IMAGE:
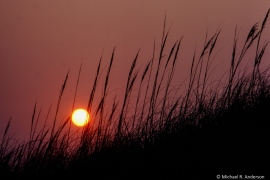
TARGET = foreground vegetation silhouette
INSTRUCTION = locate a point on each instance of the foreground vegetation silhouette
(210, 129)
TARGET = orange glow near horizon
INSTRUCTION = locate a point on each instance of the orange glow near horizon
(80, 117)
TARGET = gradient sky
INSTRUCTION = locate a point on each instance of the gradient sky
(41, 39)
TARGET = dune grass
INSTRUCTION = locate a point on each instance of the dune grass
(210, 129)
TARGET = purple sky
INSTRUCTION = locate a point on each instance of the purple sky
(41, 40)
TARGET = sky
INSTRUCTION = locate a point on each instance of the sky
(41, 40)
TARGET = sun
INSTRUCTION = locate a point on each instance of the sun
(80, 117)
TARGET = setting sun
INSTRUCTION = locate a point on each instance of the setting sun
(80, 117)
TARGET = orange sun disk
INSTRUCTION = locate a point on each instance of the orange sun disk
(80, 117)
